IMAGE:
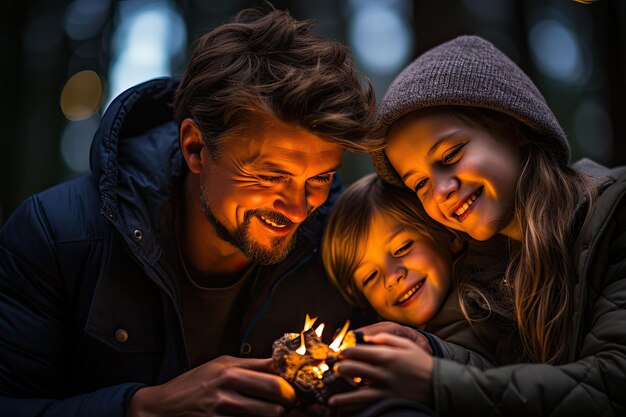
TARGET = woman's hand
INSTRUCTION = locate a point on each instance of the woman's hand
(392, 367)
(398, 330)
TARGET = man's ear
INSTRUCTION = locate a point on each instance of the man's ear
(191, 145)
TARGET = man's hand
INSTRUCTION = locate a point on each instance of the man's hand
(398, 330)
(391, 367)
(224, 386)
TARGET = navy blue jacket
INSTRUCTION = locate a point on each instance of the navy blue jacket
(85, 261)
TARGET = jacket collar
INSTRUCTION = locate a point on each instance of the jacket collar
(136, 157)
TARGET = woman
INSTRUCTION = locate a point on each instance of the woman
(471, 135)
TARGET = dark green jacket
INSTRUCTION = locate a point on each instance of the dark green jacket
(490, 339)
(593, 382)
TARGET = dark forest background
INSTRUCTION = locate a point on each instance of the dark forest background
(62, 61)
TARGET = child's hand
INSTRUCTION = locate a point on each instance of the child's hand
(392, 367)
(398, 330)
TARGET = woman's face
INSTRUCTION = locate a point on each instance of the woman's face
(403, 275)
(464, 177)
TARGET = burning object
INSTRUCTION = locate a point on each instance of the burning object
(306, 362)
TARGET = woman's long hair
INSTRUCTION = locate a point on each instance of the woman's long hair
(548, 197)
(552, 204)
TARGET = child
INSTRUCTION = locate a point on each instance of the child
(469, 133)
(380, 249)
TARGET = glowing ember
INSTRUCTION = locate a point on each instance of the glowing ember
(336, 344)
(308, 322)
(306, 362)
(302, 349)
(319, 330)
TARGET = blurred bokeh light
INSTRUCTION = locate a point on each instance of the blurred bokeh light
(69, 58)
(148, 36)
(82, 95)
(556, 50)
(380, 35)
(76, 141)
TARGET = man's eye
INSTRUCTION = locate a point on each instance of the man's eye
(369, 278)
(267, 178)
(404, 249)
(322, 179)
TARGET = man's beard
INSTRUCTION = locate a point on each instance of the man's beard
(241, 238)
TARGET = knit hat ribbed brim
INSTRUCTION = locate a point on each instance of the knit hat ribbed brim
(467, 71)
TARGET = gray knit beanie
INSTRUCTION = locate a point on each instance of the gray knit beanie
(467, 71)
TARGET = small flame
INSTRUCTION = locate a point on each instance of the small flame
(357, 379)
(336, 344)
(324, 367)
(319, 330)
(302, 349)
(308, 322)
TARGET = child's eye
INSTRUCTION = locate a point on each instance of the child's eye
(420, 185)
(454, 152)
(369, 278)
(402, 250)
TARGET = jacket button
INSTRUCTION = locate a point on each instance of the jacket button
(121, 336)
(246, 349)
(138, 234)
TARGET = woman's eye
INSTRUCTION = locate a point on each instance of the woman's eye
(454, 152)
(402, 250)
(369, 278)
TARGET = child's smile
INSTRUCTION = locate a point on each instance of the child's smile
(403, 275)
(464, 177)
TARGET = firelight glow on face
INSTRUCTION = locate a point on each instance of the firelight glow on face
(265, 183)
(402, 274)
(464, 177)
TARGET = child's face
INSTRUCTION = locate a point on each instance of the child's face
(403, 275)
(464, 177)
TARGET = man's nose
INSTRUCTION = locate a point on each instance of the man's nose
(445, 187)
(292, 202)
(394, 275)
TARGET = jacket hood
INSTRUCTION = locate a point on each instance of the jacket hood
(136, 158)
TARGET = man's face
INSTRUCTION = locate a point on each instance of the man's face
(264, 184)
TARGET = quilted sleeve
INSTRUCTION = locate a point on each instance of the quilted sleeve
(456, 353)
(592, 385)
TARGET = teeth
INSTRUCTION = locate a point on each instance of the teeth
(467, 204)
(271, 223)
(410, 292)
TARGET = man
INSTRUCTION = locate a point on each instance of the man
(195, 237)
